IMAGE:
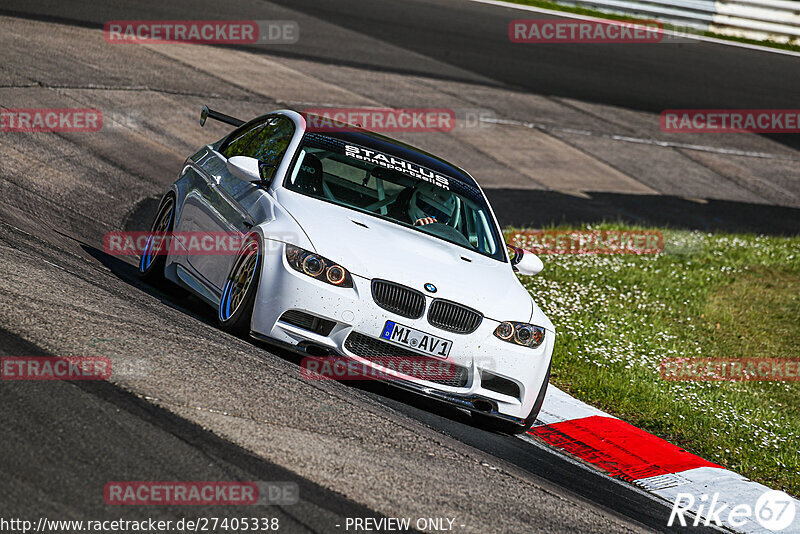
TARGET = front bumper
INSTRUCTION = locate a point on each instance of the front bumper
(353, 310)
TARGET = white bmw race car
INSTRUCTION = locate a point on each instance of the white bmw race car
(359, 247)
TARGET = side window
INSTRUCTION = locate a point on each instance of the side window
(265, 141)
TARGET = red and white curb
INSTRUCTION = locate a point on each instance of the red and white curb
(665, 470)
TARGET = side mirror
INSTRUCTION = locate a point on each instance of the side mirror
(524, 262)
(251, 170)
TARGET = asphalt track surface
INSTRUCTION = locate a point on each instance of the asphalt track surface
(201, 405)
(55, 466)
(598, 88)
(473, 38)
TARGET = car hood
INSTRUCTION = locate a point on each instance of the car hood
(373, 248)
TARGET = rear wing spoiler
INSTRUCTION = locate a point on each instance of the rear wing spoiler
(207, 113)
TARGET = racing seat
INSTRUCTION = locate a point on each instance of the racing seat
(397, 206)
(309, 179)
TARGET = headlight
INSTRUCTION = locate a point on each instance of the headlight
(317, 267)
(524, 334)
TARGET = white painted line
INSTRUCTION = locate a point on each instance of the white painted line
(640, 140)
(567, 15)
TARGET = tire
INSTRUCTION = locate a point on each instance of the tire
(239, 293)
(506, 427)
(153, 260)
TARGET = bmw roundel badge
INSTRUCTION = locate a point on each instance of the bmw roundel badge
(430, 288)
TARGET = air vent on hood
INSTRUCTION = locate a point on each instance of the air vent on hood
(359, 223)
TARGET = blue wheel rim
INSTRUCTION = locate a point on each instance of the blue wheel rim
(240, 280)
(161, 226)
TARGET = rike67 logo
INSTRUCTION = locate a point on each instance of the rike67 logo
(774, 510)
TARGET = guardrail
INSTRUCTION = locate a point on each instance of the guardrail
(777, 20)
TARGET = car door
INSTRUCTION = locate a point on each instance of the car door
(223, 207)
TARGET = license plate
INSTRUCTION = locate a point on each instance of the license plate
(406, 336)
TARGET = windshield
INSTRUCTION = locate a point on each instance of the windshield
(396, 190)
